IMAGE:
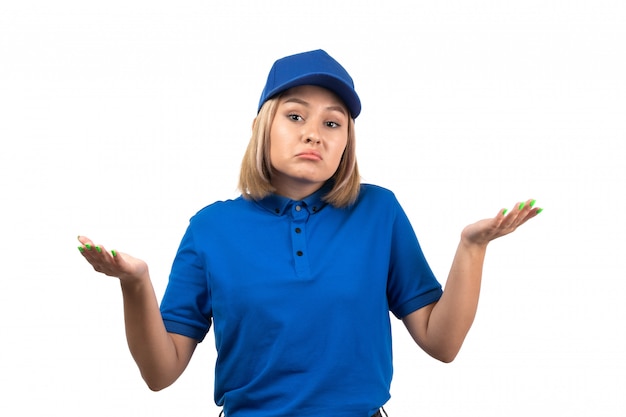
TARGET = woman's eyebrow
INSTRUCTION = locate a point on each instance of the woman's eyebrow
(297, 100)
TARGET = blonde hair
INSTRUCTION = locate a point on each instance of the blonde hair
(255, 178)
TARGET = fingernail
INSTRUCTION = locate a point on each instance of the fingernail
(98, 249)
(532, 203)
(88, 247)
(539, 210)
(521, 206)
(504, 211)
(114, 253)
(81, 249)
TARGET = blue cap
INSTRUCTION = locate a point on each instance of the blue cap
(312, 68)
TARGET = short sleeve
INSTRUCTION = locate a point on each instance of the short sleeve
(186, 305)
(411, 283)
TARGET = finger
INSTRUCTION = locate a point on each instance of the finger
(84, 243)
(531, 212)
(511, 219)
(103, 261)
(512, 215)
(96, 255)
(525, 211)
(500, 218)
(87, 246)
(84, 240)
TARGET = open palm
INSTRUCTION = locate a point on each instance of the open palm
(115, 264)
(484, 231)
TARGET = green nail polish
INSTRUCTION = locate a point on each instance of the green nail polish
(81, 249)
(114, 253)
(88, 247)
(504, 211)
(532, 203)
(98, 249)
(539, 210)
(521, 206)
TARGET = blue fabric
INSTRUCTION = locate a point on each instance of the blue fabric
(311, 68)
(300, 294)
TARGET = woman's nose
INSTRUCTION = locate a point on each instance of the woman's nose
(312, 135)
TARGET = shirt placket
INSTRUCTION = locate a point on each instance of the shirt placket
(299, 216)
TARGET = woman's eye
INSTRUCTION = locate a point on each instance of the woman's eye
(295, 117)
(332, 124)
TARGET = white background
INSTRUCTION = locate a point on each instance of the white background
(120, 119)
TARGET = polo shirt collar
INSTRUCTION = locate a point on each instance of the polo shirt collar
(280, 205)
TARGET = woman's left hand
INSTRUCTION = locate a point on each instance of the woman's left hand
(484, 231)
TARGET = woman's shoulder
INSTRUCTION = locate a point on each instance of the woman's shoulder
(374, 198)
(376, 192)
(221, 208)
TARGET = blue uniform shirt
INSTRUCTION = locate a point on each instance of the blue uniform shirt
(299, 293)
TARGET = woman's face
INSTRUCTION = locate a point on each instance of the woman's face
(307, 139)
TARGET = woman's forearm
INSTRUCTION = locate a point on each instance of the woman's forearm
(151, 346)
(453, 315)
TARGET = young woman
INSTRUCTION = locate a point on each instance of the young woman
(299, 274)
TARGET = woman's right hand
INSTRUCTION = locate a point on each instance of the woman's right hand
(113, 263)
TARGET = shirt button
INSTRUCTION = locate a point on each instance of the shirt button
(299, 253)
(298, 230)
(298, 208)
